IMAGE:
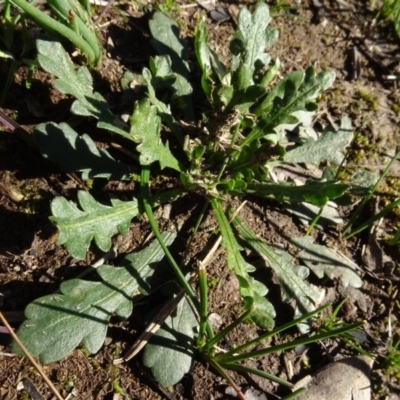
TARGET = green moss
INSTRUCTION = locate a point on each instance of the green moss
(117, 388)
(117, 352)
(213, 283)
(336, 96)
(390, 187)
(369, 99)
(168, 7)
(396, 108)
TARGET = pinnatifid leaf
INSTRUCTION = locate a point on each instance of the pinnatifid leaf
(56, 324)
(75, 153)
(264, 313)
(165, 32)
(99, 222)
(291, 277)
(325, 261)
(145, 130)
(78, 83)
(330, 146)
(162, 108)
(252, 37)
(314, 192)
(296, 92)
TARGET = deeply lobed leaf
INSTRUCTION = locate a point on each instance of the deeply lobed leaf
(264, 312)
(145, 129)
(54, 59)
(57, 323)
(77, 228)
(294, 93)
(75, 153)
(165, 32)
(251, 38)
(330, 146)
(324, 261)
(291, 277)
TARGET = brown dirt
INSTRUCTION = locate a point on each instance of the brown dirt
(32, 265)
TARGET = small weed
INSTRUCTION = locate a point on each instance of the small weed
(390, 10)
(169, 6)
(227, 150)
(392, 359)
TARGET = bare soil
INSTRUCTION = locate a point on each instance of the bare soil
(337, 34)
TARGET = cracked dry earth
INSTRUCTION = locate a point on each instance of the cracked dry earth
(337, 34)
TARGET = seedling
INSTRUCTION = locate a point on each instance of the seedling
(390, 10)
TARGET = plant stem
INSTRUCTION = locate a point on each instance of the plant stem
(226, 330)
(145, 188)
(227, 377)
(274, 332)
(203, 304)
(315, 220)
(248, 370)
(231, 358)
(49, 23)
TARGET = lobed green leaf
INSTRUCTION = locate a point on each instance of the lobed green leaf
(330, 146)
(294, 93)
(78, 83)
(251, 38)
(291, 277)
(249, 288)
(75, 153)
(145, 130)
(56, 324)
(324, 261)
(165, 32)
(99, 222)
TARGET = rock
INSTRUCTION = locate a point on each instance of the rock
(346, 379)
